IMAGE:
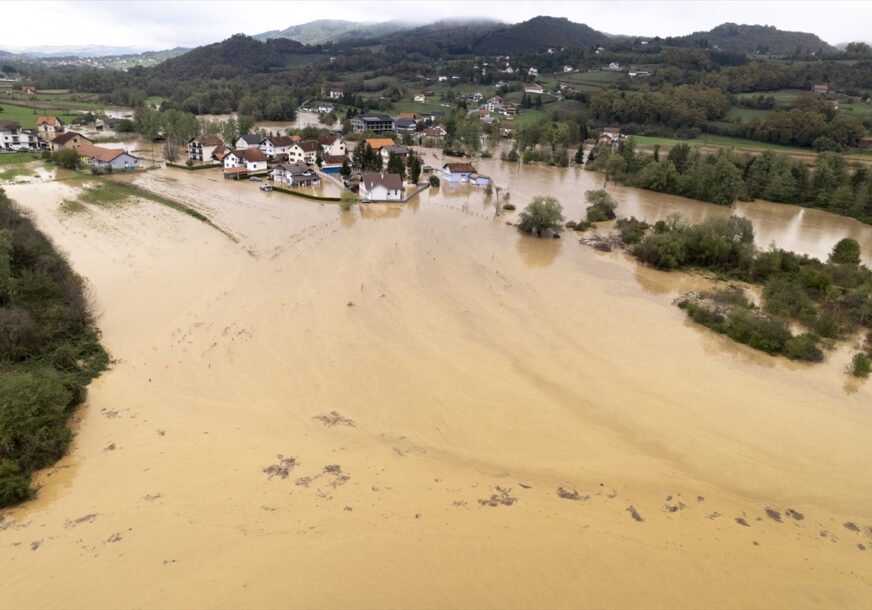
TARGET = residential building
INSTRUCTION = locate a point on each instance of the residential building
(458, 172)
(567, 68)
(533, 72)
(67, 140)
(107, 158)
(381, 187)
(248, 140)
(434, 133)
(331, 164)
(377, 143)
(479, 179)
(325, 107)
(276, 146)
(305, 151)
(202, 147)
(477, 97)
(420, 97)
(495, 103)
(12, 137)
(294, 174)
(29, 90)
(398, 150)
(537, 89)
(638, 74)
(374, 123)
(822, 89)
(442, 78)
(614, 66)
(610, 135)
(408, 125)
(49, 126)
(335, 92)
(252, 159)
(332, 145)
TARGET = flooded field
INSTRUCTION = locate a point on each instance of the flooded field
(415, 406)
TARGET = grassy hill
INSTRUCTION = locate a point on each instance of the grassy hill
(329, 30)
(754, 39)
(538, 34)
(238, 55)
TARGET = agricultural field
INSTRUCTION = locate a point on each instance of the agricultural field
(27, 116)
(746, 114)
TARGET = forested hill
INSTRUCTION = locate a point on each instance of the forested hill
(753, 39)
(538, 34)
(237, 56)
(330, 30)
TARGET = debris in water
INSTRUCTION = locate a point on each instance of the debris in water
(502, 497)
(742, 521)
(571, 495)
(35, 545)
(674, 508)
(109, 447)
(851, 527)
(794, 514)
(634, 513)
(283, 468)
(773, 514)
(86, 519)
(116, 537)
(334, 418)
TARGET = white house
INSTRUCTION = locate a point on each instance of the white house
(325, 107)
(420, 97)
(294, 174)
(567, 68)
(248, 140)
(494, 103)
(335, 92)
(12, 137)
(203, 147)
(107, 158)
(533, 72)
(273, 146)
(442, 78)
(49, 126)
(251, 159)
(305, 151)
(614, 66)
(534, 89)
(332, 146)
(457, 172)
(380, 187)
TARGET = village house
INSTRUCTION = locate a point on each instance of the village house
(476, 97)
(306, 151)
(332, 145)
(68, 140)
(331, 164)
(638, 74)
(499, 84)
(378, 143)
(434, 133)
(276, 146)
(380, 187)
(220, 152)
(12, 137)
(29, 90)
(325, 107)
(610, 135)
(614, 66)
(294, 174)
(567, 68)
(408, 125)
(442, 78)
(335, 92)
(537, 89)
(374, 123)
(107, 158)
(495, 103)
(479, 179)
(203, 147)
(420, 97)
(49, 126)
(822, 89)
(457, 172)
(533, 72)
(397, 149)
(252, 159)
(248, 140)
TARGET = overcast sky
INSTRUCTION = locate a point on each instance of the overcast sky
(161, 24)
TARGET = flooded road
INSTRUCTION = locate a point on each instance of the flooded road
(415, 406)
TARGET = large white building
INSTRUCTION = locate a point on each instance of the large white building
(381, 187)
(12, 137)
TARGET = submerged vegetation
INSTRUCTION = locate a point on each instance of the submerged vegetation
(49, 351)
(830, 300)
(724, 177)
(542, 216)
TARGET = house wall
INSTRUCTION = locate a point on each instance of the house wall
(255, 166)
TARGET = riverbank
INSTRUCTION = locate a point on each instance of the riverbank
(518, 422)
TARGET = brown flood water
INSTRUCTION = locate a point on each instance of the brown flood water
(521, 423)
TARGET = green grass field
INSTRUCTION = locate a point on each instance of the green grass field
(27, 116)
(720, 141)
(746, 114)
(16, 158)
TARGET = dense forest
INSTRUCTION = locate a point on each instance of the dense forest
(49, 351)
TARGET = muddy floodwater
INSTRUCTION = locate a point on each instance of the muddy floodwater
(415, 406)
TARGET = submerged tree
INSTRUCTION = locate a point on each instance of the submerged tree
(542, 215)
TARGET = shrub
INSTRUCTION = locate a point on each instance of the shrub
(509, 207)
(861, 365)
(542, 215)
(846, 252)
(434, 181)
(67, 159)
(631, 230)
(602, 206)
(803, 347)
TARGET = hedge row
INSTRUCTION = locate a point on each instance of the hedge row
(192, 168)
(305, 195)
